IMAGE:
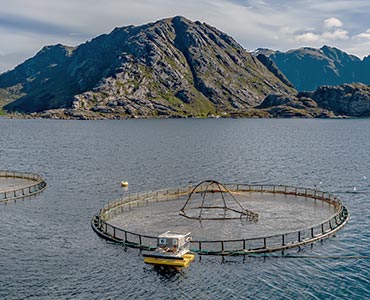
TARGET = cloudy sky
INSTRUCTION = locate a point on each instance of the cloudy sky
(27, 25)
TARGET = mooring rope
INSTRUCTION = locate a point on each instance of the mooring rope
(328, 256)
(264, 255)
(312, 256)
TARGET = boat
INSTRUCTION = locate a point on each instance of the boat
(173, 250)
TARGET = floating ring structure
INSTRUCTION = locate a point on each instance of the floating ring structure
(336, 218)
(29, 185)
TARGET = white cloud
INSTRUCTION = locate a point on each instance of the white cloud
(332, 22)
(307, 37)
(324, 37)
(364, 35)
(338, 34)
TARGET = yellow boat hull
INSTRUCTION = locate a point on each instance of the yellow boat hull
(182, 263)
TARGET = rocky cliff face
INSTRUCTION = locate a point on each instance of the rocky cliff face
(272, 67)
(173, 67)
(309, 68)
(20, 83)
(293, 106)
(348, 100)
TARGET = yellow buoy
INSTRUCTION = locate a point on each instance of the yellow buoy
(124, 183)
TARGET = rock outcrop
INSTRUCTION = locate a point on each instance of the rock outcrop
(170, 68)
(293, 106)
(348, 100)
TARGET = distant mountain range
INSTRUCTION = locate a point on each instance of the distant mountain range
(171, 68)
(309, 68)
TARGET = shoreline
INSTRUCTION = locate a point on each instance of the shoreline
(91, 117)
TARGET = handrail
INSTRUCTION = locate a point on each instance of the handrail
(24, 191)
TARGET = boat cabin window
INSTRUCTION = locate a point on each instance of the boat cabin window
(162, 242)
(171, 243)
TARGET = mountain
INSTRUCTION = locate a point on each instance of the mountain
(272, 67)
(173, 67)
(308, 68)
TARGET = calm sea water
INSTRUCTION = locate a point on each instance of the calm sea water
(49, 251)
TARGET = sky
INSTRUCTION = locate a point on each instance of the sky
(28, 25)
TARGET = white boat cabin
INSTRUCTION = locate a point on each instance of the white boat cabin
(174, 242)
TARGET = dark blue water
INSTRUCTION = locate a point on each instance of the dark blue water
(48, 250)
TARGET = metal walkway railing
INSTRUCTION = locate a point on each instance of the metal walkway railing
(242, 246)
(37, 186)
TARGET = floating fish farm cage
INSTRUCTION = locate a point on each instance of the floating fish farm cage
(225, 219)
(17, 185)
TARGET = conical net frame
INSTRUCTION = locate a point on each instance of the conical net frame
(230, 204)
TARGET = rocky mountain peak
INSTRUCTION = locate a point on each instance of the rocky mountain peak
(338, 56)
(308, 68)
(264, 51)
(171, 67)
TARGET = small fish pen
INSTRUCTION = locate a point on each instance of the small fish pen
(18, 185)
(225, 219)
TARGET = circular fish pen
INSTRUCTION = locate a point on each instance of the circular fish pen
(18, 185)
(223, 207)
(225, 219)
